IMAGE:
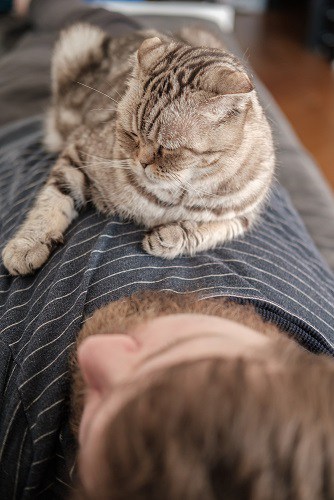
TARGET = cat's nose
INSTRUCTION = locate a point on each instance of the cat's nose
(146, 155)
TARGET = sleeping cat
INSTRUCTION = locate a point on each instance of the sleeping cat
(168, 135)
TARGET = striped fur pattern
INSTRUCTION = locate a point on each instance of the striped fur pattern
(166, 134)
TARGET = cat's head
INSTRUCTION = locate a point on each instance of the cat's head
(184, 107)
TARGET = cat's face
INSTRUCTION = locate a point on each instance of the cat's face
(185, 108)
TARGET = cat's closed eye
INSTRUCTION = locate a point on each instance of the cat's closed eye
(128, 139)
(163, 151)
(131, 135)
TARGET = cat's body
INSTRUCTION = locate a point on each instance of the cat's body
(183, 148)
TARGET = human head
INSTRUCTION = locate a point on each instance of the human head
(232, 423)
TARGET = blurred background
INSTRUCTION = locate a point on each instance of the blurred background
(290, 44)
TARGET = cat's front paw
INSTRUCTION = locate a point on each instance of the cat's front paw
(23, 256)
(168, 241)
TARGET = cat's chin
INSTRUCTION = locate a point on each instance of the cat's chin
(158, 183)
(144, 179)
(155, 180)
(151, 179)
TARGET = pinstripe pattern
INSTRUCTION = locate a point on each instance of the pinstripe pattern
(275, 266)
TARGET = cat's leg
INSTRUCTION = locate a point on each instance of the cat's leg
(57, 204)
(188, 238)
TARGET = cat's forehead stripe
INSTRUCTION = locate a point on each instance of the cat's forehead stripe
(150, 125)
(147, 105)
(161, 76)
(183, 53)
(157, 72)
(183, 66)
(174, 81)
(198, 69)
(195, 63)
(196, 54)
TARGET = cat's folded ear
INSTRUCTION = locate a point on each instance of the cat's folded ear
(232, 90)
(224, 81)
(151, 50)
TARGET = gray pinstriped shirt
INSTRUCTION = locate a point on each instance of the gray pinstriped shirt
(276, 267)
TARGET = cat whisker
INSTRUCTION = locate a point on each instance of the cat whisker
(106, 167)
(96, 90)
(104, 158)
(93, 156)
(183, 184)
(189, 188)
(120, 95)
(205, 193)
(102, 109)
(107, 162)
(101, 162)
(110, 85)
(111, 162)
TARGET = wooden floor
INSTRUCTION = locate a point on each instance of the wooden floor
(302, 82)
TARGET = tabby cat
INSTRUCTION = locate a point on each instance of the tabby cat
(168, 135)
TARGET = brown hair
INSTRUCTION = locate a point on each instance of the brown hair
(254, 428)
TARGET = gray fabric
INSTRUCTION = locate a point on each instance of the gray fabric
(299, 174)
(275, 267)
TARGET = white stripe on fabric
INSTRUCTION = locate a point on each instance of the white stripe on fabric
(15, 367)
(3, 444)
(238, 287)
(42, 460)
(47, 366)
(46, 388)
(18, 465)
(34, 286)
(53, 285)
(63, 482)
(46, 410)
(273, 264)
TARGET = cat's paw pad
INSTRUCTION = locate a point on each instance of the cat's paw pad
(167, 241)
(23, 256)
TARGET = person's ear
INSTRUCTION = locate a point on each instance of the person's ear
(105, 360)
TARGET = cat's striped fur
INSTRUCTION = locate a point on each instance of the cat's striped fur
(169, 135)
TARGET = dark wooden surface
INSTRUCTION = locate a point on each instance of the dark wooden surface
(302, 82)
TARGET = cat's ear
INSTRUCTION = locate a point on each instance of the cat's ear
(220, 107)
(232, 90)
(150, 50)
(224, 81)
